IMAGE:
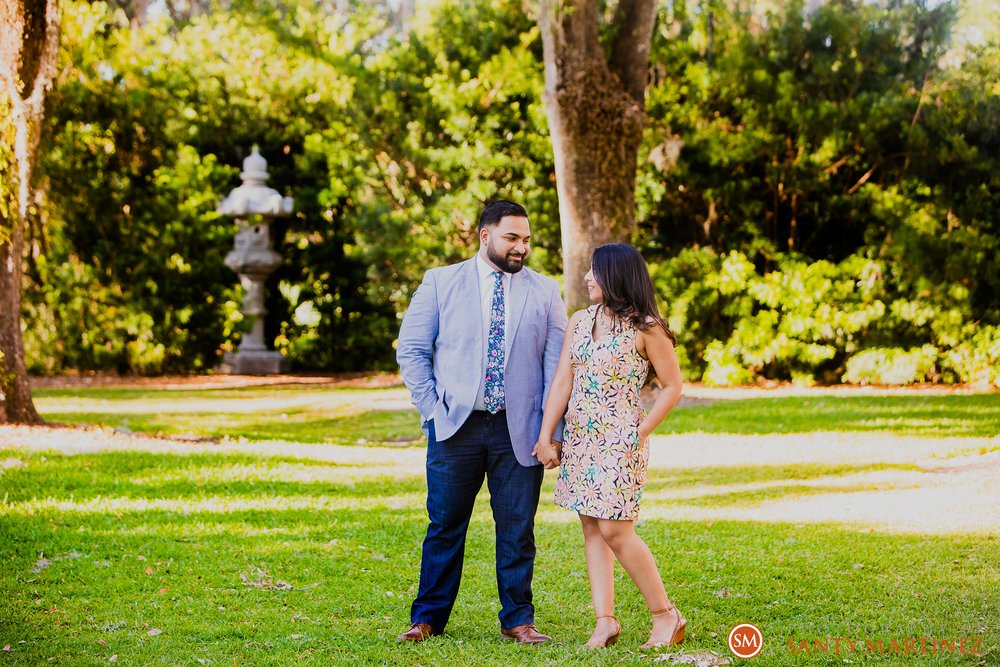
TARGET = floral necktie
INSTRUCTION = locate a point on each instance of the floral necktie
(495, 398)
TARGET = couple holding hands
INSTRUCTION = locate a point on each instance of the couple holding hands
(509, 389)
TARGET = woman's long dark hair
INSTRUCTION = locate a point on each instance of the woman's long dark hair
(622, 274)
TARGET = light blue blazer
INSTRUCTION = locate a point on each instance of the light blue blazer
(440, 351)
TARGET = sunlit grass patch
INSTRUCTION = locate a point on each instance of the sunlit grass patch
(965, 415)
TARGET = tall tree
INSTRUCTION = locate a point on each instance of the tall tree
(28, 50)
(595, 99)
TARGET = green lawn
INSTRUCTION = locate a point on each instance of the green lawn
(294, 413)
(343, 416)
(236, 553)
(960, 415)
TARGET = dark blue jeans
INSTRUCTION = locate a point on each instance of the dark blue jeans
(455, 471)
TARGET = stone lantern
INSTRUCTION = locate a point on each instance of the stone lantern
(254, 260)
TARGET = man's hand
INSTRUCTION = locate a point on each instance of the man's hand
(548, 452)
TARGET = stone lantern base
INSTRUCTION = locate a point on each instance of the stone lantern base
(265, 362)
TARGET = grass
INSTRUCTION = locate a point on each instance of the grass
(272, 555)
(301, 414)
(342, 416)
(976, 415)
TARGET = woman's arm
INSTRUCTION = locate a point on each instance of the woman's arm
(545, 449)
(655, 346)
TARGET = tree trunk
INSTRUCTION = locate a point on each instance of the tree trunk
(28, 50)
(596, 109)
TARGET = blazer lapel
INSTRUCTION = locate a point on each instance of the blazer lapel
(516, 302)
(469, 286)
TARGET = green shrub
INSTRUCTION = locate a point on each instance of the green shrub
(976, 359)
(818, 322)
(723, 367)
(893, 365)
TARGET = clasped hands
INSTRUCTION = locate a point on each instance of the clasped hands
(547, 451)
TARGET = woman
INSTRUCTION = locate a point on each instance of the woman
(609, 351)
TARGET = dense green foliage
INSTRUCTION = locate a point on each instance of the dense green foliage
(834, 211)
(818, 196)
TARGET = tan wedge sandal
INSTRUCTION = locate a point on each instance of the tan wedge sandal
(610, 639)
(678, 635)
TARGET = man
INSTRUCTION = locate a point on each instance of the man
(478, 348)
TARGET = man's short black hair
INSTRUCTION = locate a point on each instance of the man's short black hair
(495, 210)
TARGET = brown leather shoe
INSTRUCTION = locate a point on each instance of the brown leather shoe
(418, 632)
(525, 634)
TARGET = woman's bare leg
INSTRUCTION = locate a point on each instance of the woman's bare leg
(601, 572)
(638, 561)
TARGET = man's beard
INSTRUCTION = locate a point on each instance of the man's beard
(511, 263)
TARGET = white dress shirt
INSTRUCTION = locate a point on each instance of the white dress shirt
(486, 282)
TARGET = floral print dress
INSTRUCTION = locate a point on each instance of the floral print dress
(603, 466)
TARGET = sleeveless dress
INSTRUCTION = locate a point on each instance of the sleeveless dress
(603, 465)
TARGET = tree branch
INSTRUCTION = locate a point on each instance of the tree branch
(635, 20)
(570, 33)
